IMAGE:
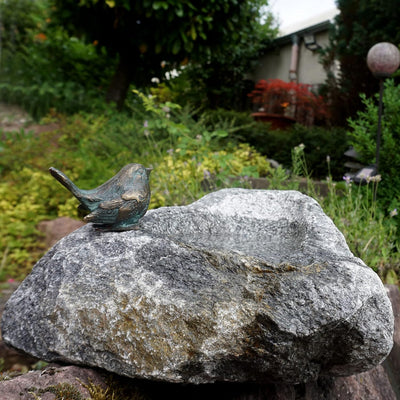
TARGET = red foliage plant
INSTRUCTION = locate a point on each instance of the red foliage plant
(289, 99)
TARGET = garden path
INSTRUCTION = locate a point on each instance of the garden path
(14, 118)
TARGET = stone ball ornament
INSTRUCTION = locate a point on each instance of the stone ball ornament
(383, 59)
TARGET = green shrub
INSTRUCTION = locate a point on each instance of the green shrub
(319, 142)
(190, 154)
(46, 68)
(240, 125)
(91, 148)
(363, 138)
(190, 157)
(28, 196)
(370, 232)
(18, 18)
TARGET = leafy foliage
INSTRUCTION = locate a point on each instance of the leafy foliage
(190, 157)
(42, 67)
(363, 138)
(18, 19)
(72, 56)
(91, 148)
(360, 25)
(290, 99)
(370, 231)
(213, 36)
(218, 80)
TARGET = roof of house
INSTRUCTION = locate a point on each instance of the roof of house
(305, 23)
(314, 24)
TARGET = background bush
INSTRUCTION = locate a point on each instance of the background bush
(363, 137)
(319, 142)
(42, 67)
(192, 148)
(186, 155)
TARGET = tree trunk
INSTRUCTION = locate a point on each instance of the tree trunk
(120, 82)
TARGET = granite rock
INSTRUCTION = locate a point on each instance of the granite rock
(242, 285)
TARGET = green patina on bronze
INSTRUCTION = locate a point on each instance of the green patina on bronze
(116, 205)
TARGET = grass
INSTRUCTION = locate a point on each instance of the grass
(369, 231)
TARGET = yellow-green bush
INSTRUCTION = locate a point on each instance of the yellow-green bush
(92, 148)
(27, 198)
(181, 178)
(188, 161)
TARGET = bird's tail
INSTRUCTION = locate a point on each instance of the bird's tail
(65, 181)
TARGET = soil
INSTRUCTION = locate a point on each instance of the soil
(14, 118)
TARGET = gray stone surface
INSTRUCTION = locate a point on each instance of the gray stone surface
(242, 285)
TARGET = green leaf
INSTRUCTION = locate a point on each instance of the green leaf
(193, 32)
(158, 48)
(176, 47)
(179, 12)
(391, 278)
(160, 4)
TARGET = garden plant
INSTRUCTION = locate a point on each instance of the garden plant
(362, 134)
(290, 99)
(62, 79)
(188, 159)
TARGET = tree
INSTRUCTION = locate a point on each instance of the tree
(17, 18)
(148, 35)
(221, 77)
(360, 25)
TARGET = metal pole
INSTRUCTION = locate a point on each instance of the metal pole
(378, 136)
(379, 133)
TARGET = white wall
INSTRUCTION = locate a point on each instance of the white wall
(276, 64)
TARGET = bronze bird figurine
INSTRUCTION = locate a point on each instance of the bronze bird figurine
(116, 205)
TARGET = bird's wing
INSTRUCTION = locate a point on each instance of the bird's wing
(102, 216)
(129, 209)
(133, 194)
(106, 213)
(111, 204)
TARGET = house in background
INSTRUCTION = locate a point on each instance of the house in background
(293, 56)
